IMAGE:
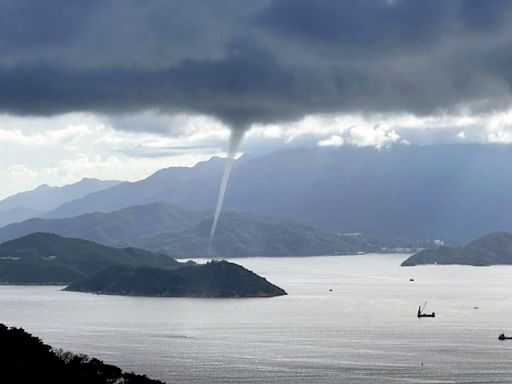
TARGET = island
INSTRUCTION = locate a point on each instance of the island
(82, 265)
(213, 279)
(46, 258)
(26, 359)
(492, 249)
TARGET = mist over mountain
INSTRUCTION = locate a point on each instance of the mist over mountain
(450, 192)
(243, 234)
(17, 214)
(172, 185)
(180, 232)
(113, 228)
(24, 205)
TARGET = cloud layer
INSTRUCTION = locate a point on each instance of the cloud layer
(256, 62)
(121, 88)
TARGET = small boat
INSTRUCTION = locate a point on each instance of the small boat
(421, 314)
(503, 337)
(411, 279)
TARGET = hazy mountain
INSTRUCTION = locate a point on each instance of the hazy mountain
(495, 248)
(452, 192)
(119, 227)
(45, 198)
(173, 185)
(44, 258)
(242, 234)
(213, 279)
(17, 214)
(180, 232)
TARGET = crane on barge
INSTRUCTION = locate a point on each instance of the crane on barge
(421, 312)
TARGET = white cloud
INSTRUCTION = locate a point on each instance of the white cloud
(333, 141)
(376, 136)
(19, 177)
(499, 128)
(501, 136)
(65, 148)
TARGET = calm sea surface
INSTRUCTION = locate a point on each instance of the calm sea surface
(364, 331)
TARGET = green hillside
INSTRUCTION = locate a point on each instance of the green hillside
(44, 258)
(492, 249)
(214, 279)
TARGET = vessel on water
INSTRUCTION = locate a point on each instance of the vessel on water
(422, 314)
(503, 337)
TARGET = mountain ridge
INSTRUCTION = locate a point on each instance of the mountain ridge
(45, 258)
(36, 202)
(492, 249)
(401, 191)
(183, 233)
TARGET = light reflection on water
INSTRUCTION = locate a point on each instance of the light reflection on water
(364, 331)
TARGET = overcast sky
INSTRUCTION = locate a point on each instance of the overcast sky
(119, 89)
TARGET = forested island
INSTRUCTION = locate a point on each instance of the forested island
(213, 279)
(45, 258)
(492, 249)
(26, 359)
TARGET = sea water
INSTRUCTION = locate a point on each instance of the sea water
(346, 319)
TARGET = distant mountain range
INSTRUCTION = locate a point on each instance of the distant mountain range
(44, 258)
(35, 203)
(18, 214)
(243, 234)
(449, 192)
(213, 279)
(175, 185)
(492, 249)
(180, 232)
(114, 228)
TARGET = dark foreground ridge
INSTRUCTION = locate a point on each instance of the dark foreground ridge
(214, 279)
(492, 249)
(26, 359)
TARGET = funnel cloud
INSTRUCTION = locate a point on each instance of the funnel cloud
(249, 63)
(234, 144)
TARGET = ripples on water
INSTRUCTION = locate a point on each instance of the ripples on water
(364, 331)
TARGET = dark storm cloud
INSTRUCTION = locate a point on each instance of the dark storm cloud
(364, 23)
(246, 62)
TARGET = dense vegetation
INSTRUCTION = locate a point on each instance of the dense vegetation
(44, 258)
(214, 279)
(495, 248)
(26, 359)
